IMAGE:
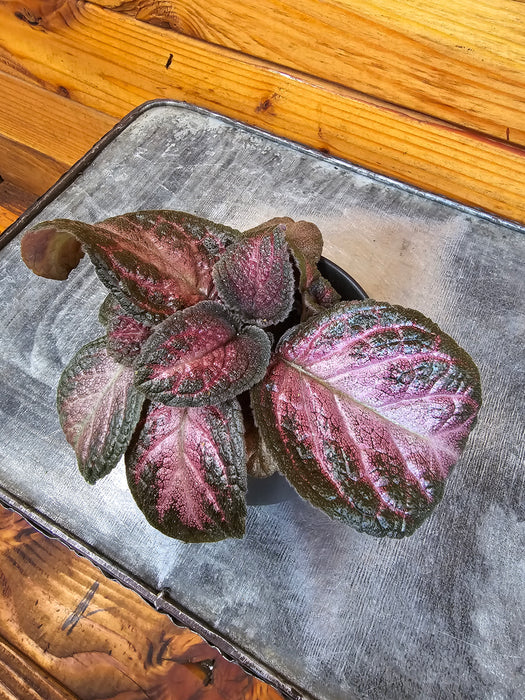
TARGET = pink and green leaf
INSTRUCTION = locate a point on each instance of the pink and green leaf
(366, 408)
(304, 239)
(254, 278)
(50, 252)
(125, 334)
(306, 243)
(154, 262)
(186, 469)
(98, 407)
(318, 296)
(198, 357)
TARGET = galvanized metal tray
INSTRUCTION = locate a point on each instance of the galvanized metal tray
(306, 603)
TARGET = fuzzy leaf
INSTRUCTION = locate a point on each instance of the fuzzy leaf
(254, 278)
(306, 243)
(125, 333)
(186, 469)
(197, 357)
(304, 240)
(50, 252)
(109, 308)
(366, 408)
(98, 408)
(155, 262)
(318, 296)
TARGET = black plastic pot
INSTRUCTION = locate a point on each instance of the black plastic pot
(275, 488)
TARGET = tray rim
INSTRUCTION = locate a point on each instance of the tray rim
(159, 599)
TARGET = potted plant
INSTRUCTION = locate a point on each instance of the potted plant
(226, 353)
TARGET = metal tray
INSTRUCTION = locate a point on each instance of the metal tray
(308, 604)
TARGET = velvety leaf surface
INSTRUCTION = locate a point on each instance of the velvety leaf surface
(267, 226)
(186, 469)
(306, 243)
(125, 334)
(198, 357)
(109, 308)
(318, 296)
(367, 407)
(153, 261)
(254, 278)
(98, 407)
(304, 240)
(50, 252)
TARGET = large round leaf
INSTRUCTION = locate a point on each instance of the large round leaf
(186, 469)
(367, 407)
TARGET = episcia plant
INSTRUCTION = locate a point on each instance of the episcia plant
(226, 353)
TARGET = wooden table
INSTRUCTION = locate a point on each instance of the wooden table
(432, 96)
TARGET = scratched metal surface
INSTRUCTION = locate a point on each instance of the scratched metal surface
(333, 613)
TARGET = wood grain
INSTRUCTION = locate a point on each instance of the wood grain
(13, 202)
(21, 678)
(28, 169)
(42, 133)
(463, 62)
(49, 123)
(69, 631)
(111, 63)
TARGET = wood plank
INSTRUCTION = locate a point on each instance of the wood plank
(21, 678)
(27, 168)
(95, 638)
(48, 123)
(42, 134)
(112, 62)
(13, 202)
(463, 62)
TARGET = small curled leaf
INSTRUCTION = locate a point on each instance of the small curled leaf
(261, 462)
(319, 296)
(197, 357)
(50, 251)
